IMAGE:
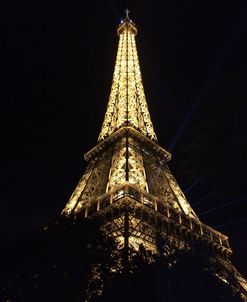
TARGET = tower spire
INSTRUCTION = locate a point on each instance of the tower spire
(127, 105)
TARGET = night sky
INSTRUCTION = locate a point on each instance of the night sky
(58, 60)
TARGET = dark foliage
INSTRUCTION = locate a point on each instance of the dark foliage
(54, 262)
(72, 260)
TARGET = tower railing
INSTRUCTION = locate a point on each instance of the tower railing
(153, 203)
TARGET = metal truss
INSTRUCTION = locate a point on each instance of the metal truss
(127, 165)
(128, 160)
(91, 185)
(127, 102)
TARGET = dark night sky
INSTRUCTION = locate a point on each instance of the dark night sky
(58, 59)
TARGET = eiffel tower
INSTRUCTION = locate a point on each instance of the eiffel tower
(128, 185)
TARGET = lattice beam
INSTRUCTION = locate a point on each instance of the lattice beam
(127, 102)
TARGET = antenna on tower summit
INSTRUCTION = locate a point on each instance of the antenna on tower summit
(127, 13)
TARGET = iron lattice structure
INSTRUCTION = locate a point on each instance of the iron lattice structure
(128, 184)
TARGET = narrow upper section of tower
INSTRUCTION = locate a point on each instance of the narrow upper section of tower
(127, 104)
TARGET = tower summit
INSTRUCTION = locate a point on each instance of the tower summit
(128, 185)
(127, 104)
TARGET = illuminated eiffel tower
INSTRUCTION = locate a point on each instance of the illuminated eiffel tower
(128, 185)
